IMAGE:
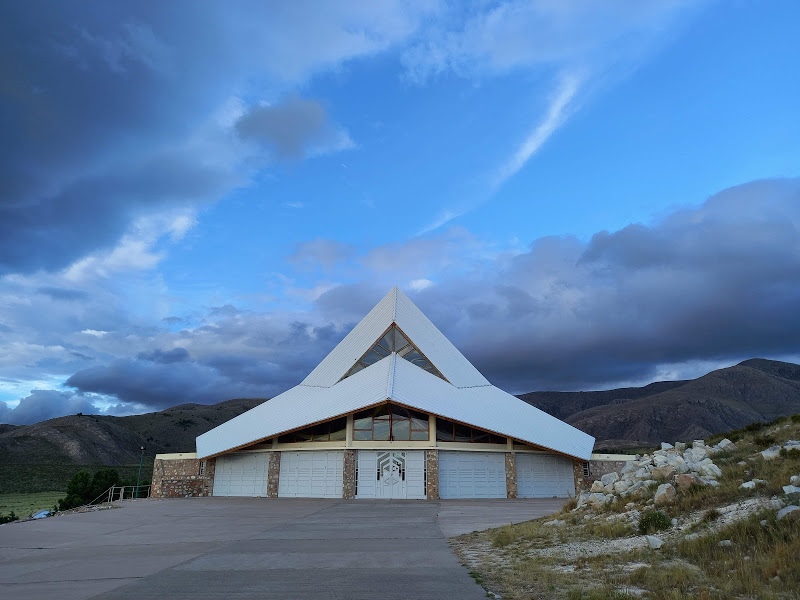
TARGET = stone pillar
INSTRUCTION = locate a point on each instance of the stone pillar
(581, 483)
(432, 474)
(511, 475)
(349, 475)
(273, 474)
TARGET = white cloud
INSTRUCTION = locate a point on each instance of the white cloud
(557, 113)
(442, 219)
(417, 285)
(94, 332)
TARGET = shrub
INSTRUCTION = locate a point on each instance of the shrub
(791, 453)
(653, 521)
(83, 489)
(764, 441)
(7, 519)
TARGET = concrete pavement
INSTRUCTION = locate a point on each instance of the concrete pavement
(252, 548)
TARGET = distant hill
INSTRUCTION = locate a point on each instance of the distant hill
(103, 440)
(755, 390)
(726, 399)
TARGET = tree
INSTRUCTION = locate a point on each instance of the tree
(83, 488)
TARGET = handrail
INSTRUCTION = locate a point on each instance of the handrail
(118, 492)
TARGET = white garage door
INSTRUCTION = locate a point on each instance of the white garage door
(242, 474)
(544, 476)
(472, 475)
(391, 474)
(311, 474)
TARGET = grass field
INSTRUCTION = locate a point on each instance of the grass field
(24, 505)
(28, 479)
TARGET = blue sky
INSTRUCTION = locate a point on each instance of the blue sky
(197, 201)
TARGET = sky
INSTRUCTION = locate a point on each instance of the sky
(199, 200)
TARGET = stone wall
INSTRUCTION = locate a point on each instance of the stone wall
(273, 474)
(511, 475)
(349, 475)
(597, 468)
(181, 478)
(432, 474)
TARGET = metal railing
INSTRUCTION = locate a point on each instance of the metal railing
(127, 492)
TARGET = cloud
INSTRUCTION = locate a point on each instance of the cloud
(557, 113)
(41, 405)
(718, 283)
(713, 284)
(57, 293)
(165, 357)
(518, 34)
(110, 116)
(293, 129)
(570, 49)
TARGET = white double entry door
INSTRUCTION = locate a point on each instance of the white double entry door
(391, 474)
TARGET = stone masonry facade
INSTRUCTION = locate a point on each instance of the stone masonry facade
(182, 478)
(432, 474)
(597, 468)
(349, 475)
(273, 474)
(511, 475)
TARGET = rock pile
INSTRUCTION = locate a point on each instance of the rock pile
(775, 451)
(670, 467)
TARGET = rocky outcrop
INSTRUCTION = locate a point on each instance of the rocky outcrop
(658, 475)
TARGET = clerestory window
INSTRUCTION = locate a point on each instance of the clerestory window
(394, 340)
(449, 431)
(330, 431)
(390, 422)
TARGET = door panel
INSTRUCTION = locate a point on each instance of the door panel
(472, 475)
(544, 476)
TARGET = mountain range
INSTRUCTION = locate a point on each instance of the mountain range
(722, 400)
(729, 398)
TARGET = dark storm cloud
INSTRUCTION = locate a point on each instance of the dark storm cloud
(290, 128)
(165, 357)
(240, 355)
(158, 385)
(721, 282)
(45, 404)
(92, 99)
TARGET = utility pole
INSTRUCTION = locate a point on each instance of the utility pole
(139, 477)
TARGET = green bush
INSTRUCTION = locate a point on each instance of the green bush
(11, 517)
(83, 488)
(653, 521)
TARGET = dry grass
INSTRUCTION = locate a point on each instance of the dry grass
(760, 561)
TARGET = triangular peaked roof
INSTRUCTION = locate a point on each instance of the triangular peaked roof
(465, 396)
(396, 308)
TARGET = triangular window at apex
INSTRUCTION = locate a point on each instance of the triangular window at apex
(394, 340)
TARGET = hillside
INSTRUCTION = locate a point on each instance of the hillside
(103, 440)
(654, 532)
(730, 398)
(755, 390)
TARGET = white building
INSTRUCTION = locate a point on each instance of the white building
(394, 411)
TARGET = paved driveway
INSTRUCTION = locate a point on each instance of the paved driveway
(252, 548)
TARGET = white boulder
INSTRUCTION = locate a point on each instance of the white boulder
(654, 542)
(609, 478)
(664, 494)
